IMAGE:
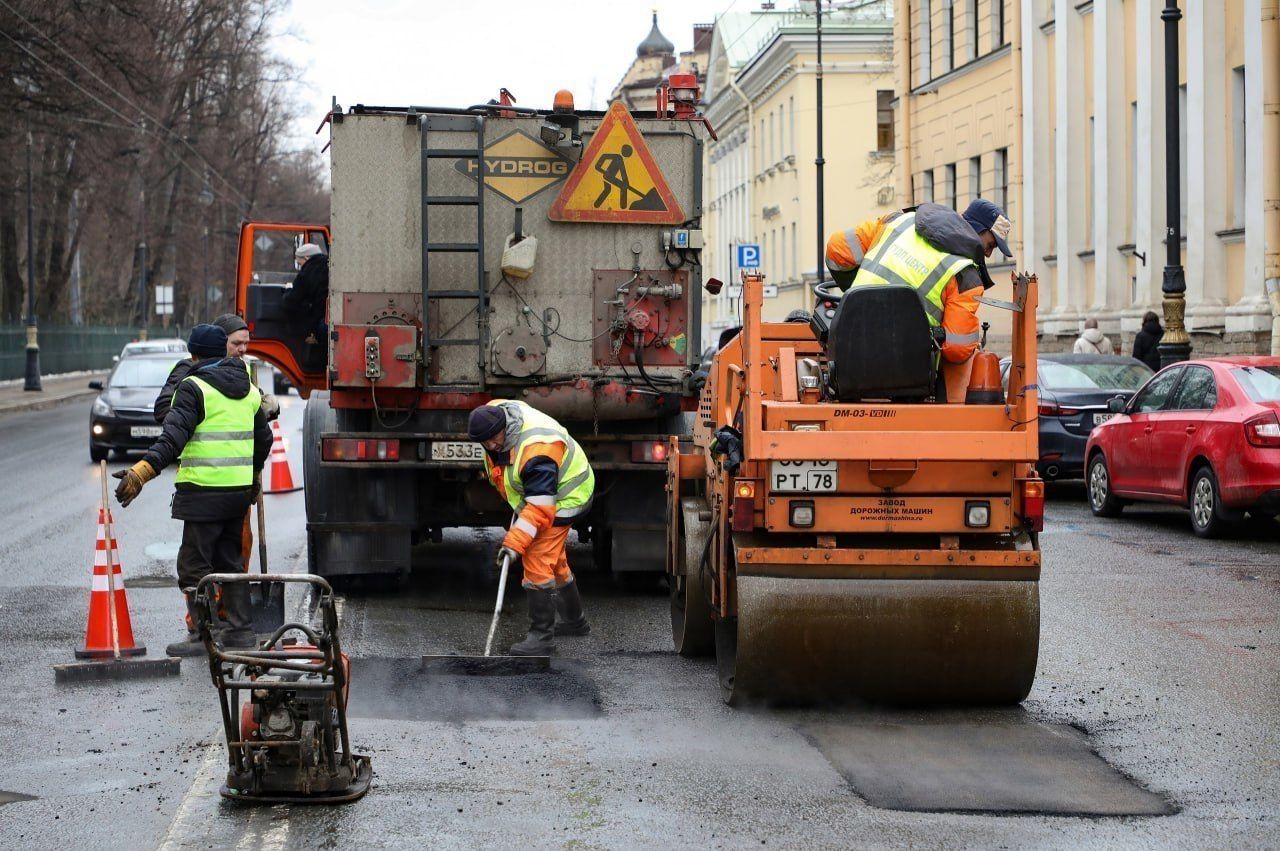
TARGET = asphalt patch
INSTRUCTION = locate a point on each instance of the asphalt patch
(151, 580)
(406, 689)
(1002, 764)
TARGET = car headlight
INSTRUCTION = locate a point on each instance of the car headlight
(101, 408)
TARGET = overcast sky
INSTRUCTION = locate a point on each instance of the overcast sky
(401, 52)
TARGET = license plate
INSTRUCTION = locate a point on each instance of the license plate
(456, 451)
(803, 476)
(145, 431)
(1099, 419)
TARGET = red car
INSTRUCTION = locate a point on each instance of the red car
(1204, 434)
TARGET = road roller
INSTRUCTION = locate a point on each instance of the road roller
(838, 531)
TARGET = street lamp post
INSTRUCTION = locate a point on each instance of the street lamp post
(1175, 345)
(32, 378)
(819, 161)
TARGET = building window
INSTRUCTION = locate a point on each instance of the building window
(972, 15)
(926, 40)
(926, 187)
(1000, 182)
(795, 257)
(975, 177)
(949, 34)
(884, 120)
(949, 187)
(1133, 172)
(791, 125)
(997, 23)
(1238, 138)
(1090, 146)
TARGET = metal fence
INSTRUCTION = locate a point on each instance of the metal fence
(69, 348)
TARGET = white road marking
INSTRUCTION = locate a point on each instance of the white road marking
(191, 820)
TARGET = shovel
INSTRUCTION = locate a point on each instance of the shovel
(488, 665)
(266, 599)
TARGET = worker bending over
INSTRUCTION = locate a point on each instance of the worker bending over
(217, 429)
(544, 475)
(941, 255)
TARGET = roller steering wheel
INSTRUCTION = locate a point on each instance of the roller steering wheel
(828, 291)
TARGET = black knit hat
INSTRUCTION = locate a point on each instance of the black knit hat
(485, 421)
(231, 323)
(207, 341)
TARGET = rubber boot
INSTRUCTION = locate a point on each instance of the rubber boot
(542, 621)
(569, 607)
(239, 631)
(191, 645)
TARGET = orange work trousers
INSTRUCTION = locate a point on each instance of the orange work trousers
(545, 563)
(246, 553)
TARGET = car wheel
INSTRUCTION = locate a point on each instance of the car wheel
(1102, 502)
(1207, 512)
(98, 453)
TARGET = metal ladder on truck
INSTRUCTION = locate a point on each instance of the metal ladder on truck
(453, 124)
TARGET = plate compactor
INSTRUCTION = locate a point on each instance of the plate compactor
(836, 530)
(284, 705)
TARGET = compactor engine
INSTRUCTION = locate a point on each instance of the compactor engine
(836, 531)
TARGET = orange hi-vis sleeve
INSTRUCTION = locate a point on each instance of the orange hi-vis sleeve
(539, 512)
(960, 321)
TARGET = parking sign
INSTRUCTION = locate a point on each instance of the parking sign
(748, 256)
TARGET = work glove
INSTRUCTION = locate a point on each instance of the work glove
(131, 482)
(506, 552)
(270, 406)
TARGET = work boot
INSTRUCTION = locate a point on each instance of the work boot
(542, 621)
(569, 607)
(191, 645)
(239, 630)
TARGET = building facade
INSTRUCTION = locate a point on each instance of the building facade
(760, 176)
(1060, 111)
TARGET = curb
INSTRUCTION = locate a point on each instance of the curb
(42, 404)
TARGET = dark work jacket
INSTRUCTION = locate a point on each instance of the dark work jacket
(305, 300)
(1144, 345)
(180, 370)
(190, 501)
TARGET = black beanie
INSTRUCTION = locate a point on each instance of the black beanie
(230, 323)
(485, 421)
(207, 341)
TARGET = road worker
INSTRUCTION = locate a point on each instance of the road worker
(942, 255)
(216, 427)
(544, 475)
(846, 248)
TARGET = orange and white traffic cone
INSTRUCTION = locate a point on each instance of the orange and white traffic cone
(281, 480)
(99, 642)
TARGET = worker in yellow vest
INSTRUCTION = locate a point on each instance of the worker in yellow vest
(545, 477)
(217, 430)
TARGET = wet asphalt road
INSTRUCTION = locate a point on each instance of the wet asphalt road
(1160, 648)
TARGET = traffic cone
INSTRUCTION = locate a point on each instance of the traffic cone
(97, 638)
(281, 479)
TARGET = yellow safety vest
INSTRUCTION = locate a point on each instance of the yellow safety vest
(902, 256)
(220, 452)
(576, 484)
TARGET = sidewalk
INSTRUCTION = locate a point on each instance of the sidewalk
(57, 389)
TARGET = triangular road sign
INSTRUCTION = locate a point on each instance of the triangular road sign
(617, 180)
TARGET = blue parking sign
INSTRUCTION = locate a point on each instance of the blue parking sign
(748, 256)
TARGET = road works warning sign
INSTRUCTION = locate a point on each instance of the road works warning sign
(517, 166)
(617, 180)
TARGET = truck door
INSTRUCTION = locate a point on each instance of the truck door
(279, 333)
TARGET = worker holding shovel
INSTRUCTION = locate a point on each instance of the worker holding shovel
(544, 475)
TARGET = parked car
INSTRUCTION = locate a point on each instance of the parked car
(1204, 434)
(151, 347)
(1074, 393)
(122, 417)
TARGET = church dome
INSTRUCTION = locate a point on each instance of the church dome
(655, 43)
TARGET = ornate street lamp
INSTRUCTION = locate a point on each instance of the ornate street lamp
(1175, 345)
(819, 161)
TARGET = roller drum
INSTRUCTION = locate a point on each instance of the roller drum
(904, 641)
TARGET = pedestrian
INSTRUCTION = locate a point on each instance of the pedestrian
(1092, 341)
(545, 477)
(217, 430)
(1145, 344)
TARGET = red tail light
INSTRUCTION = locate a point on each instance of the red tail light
(1048, 409)
(359, 449)
(744, 505)
(649, 452)
(1263, 430)
(1033, 504)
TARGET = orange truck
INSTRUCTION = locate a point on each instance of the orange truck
(834, 532)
